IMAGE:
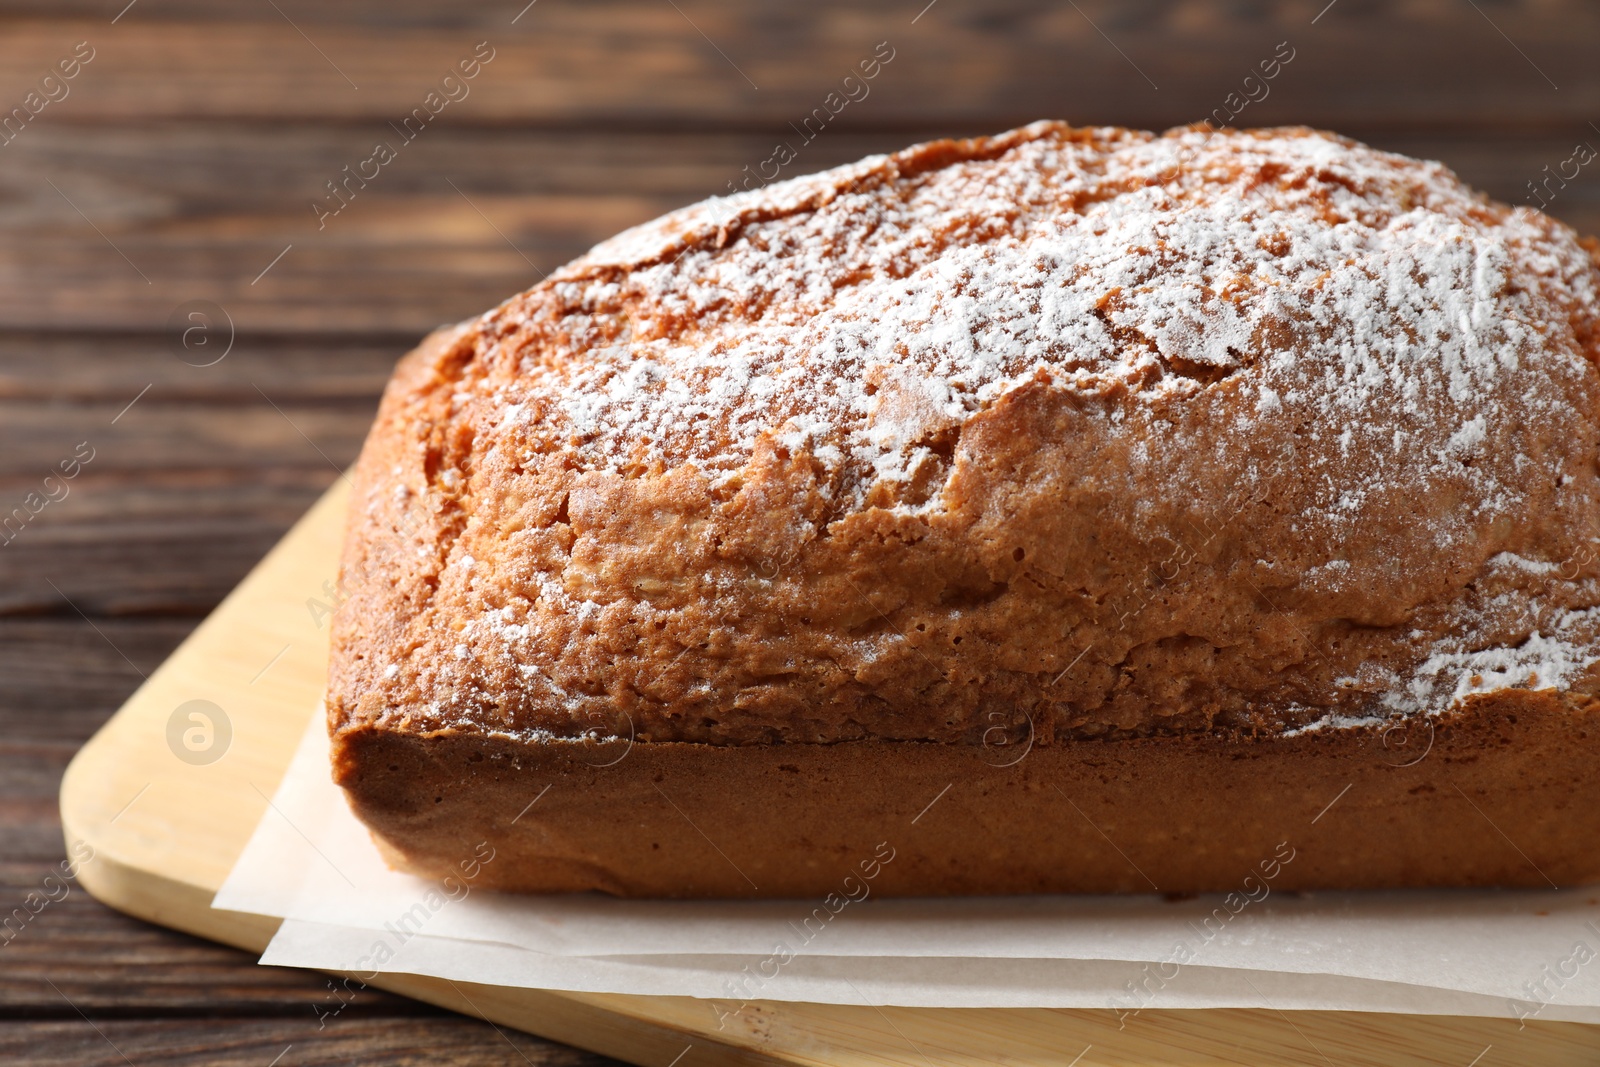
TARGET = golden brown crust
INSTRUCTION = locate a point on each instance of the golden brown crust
(1500, 794)
(1250, 536)
(1057, 437)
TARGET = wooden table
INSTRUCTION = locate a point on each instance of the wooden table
(181, 165)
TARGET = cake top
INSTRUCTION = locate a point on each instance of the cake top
(1276, 377)
(1101, 259)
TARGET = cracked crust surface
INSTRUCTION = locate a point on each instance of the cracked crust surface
(1078, 433)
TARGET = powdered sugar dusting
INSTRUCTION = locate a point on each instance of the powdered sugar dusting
(1095, 264)
(1417, 350)
(1543, 661)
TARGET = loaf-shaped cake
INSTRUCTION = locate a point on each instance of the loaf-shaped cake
(1071, 510)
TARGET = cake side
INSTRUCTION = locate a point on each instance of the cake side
(1066, 433)
(1499, 792)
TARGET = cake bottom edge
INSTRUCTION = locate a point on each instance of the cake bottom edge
(1499, 791)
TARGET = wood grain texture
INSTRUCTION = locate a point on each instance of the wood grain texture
(192, 146)
(114, 369)
(463, 218)
(720, 60)
(112, 966)
(65, 675)
(188, 487)
(242, 1041)
(30, 778)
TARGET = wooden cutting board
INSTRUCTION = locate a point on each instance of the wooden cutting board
(159, 804)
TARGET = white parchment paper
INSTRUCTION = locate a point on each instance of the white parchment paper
(910, 982)
(1519, 954)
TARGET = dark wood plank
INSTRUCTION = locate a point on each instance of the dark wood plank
(62, 677)
(186, 159)
(407, 268)
(260, 433)
(246, 1042)
(173, 544)
(84, 368)
(30, 776)
(177, 500)
(229, 182)
(182, 492)
(1429, 63)
(174, 548)
(112, 966)
(410, 251)
(140, 169)
(201, 210)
